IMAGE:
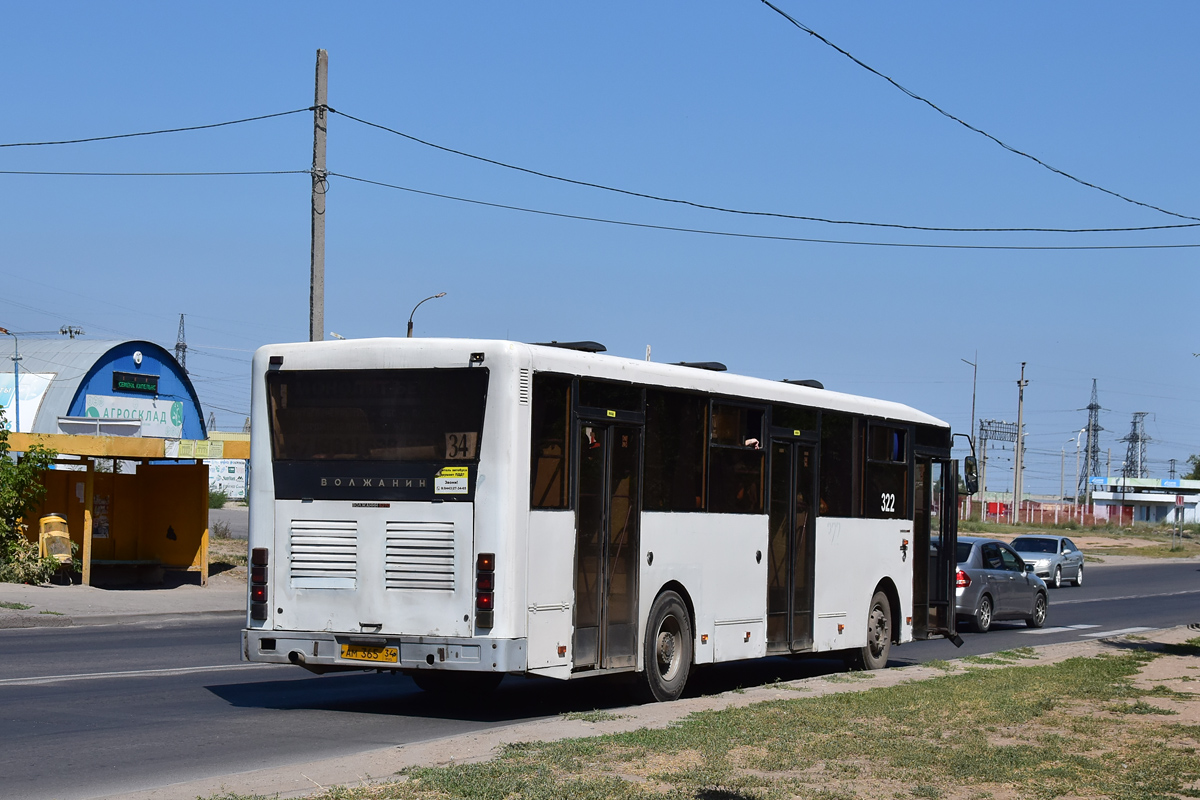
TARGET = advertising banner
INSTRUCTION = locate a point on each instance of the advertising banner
(227, 475)
(161, 418)
(33, 389)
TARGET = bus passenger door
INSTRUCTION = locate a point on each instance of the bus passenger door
(606, 545)
(790, 554)
(935, 546)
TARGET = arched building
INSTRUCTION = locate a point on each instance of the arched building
(129, 388)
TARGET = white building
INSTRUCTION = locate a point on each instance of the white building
(1151, 500)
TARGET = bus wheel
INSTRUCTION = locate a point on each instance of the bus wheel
(462, 685)
(874, 655)
(667, 651)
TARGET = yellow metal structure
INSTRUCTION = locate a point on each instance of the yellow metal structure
(152, 519)
(127, 447)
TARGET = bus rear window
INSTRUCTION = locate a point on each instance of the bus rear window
(377, 415)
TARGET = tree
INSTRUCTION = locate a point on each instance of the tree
(1194, 475)
(21, 489)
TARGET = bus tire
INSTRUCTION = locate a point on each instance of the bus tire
(457, 685)
(667, 650)
(874, 654)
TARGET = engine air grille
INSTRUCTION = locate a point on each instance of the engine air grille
(420, 556)
(324, 554)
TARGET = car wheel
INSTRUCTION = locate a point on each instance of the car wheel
(1078, 576)
(983, 617)
(1057, 581)
(1039, 612)
(874, 655)
(667, 653)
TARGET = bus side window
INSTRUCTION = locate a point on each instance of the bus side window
(736, 463)
(674, 456)
(837, 464)
(885, 484)
(551, 441)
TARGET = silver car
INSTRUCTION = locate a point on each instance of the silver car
(994, 583)
(1055, 558)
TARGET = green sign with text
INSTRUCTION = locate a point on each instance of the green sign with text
(133, 382)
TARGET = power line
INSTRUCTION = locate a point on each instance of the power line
(155, 133)
(549, 176)
(768, 237)
(163, 174)
(725, 210)
(967, 125)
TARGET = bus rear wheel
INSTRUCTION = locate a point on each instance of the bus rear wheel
(667, 650)
(874, 654)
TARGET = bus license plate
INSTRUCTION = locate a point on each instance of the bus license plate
(386, 655)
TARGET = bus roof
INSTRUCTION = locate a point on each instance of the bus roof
(373, 354)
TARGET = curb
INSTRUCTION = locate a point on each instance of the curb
(17, 620)
(23, 620)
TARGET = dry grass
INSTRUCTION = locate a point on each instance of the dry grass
(227, 554)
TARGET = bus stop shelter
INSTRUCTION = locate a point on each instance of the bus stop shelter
(129, 527)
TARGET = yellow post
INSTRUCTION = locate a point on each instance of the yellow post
(89, 486)
(204, 558)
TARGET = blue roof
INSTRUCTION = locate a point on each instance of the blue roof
(84, 366)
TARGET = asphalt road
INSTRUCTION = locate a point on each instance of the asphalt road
(90, 711)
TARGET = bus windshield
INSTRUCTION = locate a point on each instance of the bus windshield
(377, 415)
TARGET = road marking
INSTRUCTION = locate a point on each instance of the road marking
(1118, 632)
(1125, 597)
(136, 673)
(1059, 629)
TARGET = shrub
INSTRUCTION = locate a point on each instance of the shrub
(219, 529)
(217, 499)
(21, 489)
(24, 565)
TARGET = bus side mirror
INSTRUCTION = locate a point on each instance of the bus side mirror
(971, 474)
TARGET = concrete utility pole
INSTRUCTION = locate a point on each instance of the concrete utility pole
(316, 293)
(1017, 457)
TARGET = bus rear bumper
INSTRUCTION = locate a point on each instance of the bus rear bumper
(321, 651)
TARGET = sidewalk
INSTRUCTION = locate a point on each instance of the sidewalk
(62, 606)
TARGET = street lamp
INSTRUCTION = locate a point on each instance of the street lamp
(418, 305)
(336, 335)
(16, 357)
(974, 376)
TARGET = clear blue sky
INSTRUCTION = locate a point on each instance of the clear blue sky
(724, 103)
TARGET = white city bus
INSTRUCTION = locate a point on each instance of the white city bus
(461, 509)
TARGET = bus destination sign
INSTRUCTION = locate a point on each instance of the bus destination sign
(132, 382)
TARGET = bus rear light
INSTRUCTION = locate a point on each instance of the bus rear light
(485, 586)
(962, 580)
(259, 558)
